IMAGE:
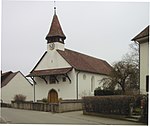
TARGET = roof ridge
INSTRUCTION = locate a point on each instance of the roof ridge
(85, 54)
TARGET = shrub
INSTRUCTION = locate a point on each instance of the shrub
(138, 99)
(117, 104)
(19, 98)
(44, 100)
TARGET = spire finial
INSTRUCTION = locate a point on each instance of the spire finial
(54, 7)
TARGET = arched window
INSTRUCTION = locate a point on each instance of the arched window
(92, 83)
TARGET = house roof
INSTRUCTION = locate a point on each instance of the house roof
(142, 34)
(46, 72)
(6, 77)
(55, 29)
(86, 63)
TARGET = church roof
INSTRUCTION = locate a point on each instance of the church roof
(80, 62)
(46, 72)
(55, 29)
(85, 63)
(144, 33)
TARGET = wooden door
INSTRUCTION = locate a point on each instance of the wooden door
(52, 96)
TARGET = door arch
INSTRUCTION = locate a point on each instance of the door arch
(53, 96)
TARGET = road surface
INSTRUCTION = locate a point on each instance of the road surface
(19, 116)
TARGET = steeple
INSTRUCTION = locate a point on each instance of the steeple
(55, 33)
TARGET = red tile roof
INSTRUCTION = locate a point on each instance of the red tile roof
(144, 33)
(55, 29)
(86, 63)
(46, 72)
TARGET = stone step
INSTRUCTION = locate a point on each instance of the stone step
(134, 118)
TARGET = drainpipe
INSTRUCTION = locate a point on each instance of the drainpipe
(34, 91)
(77, 83)
(139, 69)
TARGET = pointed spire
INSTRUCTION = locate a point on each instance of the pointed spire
(55, 32)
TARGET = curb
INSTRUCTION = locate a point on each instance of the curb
(114, 117)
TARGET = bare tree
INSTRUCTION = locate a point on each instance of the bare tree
(125, 73)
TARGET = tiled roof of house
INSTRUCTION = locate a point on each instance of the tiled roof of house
(86, 63)
(55, 29)
(6, 77)
(144, 33)
(58, 71)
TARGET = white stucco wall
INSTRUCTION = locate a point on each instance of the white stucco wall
(144, 65)
(65, 90)
(17, 85)
(52, 60)
(84, 83)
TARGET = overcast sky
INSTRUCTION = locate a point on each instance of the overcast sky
(100, 29)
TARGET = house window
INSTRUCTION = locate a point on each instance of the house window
(52, 80)
(92, 83)
(64, 79)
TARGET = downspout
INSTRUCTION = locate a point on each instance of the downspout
(139, 69)
(77, 83)
(34, 91)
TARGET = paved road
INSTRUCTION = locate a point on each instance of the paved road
(14, 116)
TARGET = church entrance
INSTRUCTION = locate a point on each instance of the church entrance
(52, 96)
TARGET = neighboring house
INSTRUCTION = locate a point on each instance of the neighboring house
(143, 39)
(63, 73)
(13, 83)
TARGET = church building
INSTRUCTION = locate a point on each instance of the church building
(63, 73)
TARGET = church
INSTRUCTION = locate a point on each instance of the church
(63, 73)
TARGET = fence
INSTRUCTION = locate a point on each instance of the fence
(63, 106)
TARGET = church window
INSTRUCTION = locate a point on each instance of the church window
(92, 83)
(52, 80)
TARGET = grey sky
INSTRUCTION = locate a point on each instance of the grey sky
(100, 29)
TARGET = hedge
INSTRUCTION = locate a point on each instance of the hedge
(116, 104)
(100, 92)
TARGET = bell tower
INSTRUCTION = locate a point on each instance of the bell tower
(55, 37)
